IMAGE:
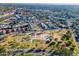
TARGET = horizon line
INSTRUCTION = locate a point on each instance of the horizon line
(45, 3)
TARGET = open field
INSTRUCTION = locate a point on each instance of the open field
(58, 41)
